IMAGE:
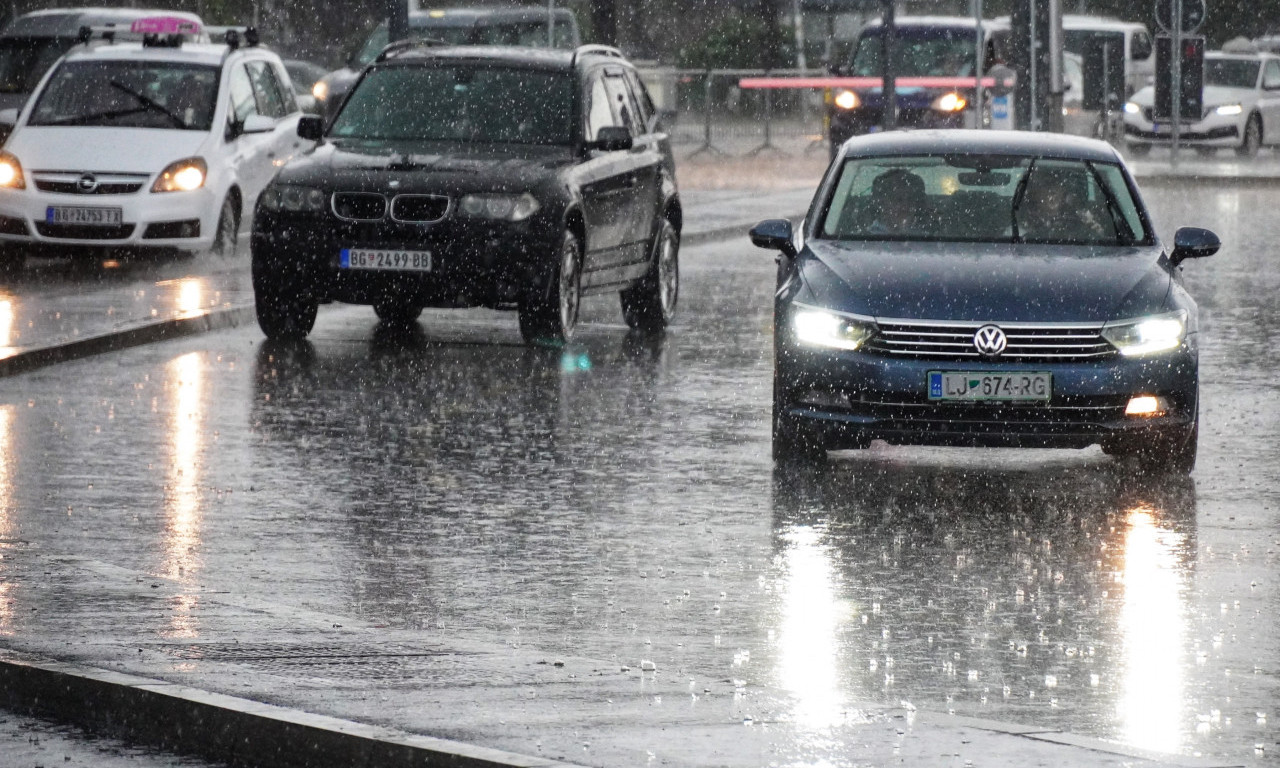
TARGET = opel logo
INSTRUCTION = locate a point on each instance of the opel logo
(990, 341)
(87, 183)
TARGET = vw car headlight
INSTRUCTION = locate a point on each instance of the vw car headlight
(11, 172)
(819, 328)
(1147, 335)
(182, 176)
(1227, 110)
(502, 207)
(292, 198)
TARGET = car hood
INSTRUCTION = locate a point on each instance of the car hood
(1214, 96)
(435, 165)
(66, 148)
(984, 282)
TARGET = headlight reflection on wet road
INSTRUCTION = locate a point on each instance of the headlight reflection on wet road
(6, 509)
(182, 492)
(810, 622)
(1152, 625)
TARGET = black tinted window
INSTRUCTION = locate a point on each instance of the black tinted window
(24, 60)
(459, 103)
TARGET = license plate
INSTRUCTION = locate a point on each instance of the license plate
(378, 259)
(68, 214)
(988, 385)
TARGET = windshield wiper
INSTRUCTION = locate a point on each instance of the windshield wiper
(150, 103)
(1018, 195)
(1124, 233)
(91, 119)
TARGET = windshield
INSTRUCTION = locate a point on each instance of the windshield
(1231, 73)
(1078, 41)
(467, 102)
(129, 94)
(983, 198)
(918, 52)
(24, 60)
(531, 33)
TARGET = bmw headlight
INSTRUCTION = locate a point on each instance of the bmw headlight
(291, 198)
(819, 328)
(501, 207)
(1227, 110)
(1147, 335)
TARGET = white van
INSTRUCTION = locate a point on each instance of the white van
(1081, 33)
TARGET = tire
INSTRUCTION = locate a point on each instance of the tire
(1139, 150)
(283, 315)
(550, 318)
(397, 312)
(650, 305)
(11, 260)
(1252, 138)
(793, 444)
(1172, 455)
(228, 234)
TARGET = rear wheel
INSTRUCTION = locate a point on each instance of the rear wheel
(283, 314)
(1252, 138)
(549, 318)
(649, 306)
(228, 234)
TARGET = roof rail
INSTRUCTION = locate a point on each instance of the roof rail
(406, 44)
(595, 50)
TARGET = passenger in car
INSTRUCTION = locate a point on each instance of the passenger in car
(1057, 207)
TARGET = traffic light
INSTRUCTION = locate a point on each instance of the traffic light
(1191, 105)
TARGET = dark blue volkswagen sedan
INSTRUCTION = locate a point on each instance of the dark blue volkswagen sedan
(983, 288)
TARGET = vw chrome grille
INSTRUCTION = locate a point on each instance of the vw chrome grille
(1027, 342)
(419, 209)
(360, 206)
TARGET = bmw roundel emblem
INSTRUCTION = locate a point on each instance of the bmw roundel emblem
(990, 341)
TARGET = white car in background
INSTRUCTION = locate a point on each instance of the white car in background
(1241, 108)
(155, 144)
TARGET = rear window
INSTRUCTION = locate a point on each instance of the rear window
(464, 103)
(983, 198)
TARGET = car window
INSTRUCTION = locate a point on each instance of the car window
(1271, 76)
(624, 109)
(267, 91)
(983, 198)
(599, 112)
(129, 94)
(643, 103)
(24, 60)
(287, 92)
(1231, 73)
(240, 89)
(462, 102)
(1141, 46)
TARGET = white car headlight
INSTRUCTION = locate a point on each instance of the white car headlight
(503, 207)
(1130, 108)
(1226, 110)
(182, 176)
(819, 328)
(11, 172)
(292, 198)
(1147, 335)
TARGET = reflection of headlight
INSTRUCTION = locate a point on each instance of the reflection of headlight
(1147, 335)
(182, 176)
(827, 329)
(1131, 108)
(949, 102)
(847, 100)
(1227, 110)
(504, 207)
(292, 199)
(11, 172)
(320, 90)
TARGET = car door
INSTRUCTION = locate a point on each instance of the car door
(1269, 101)
(275, 101)
(648, 154)
(608, 189)
(248, 153)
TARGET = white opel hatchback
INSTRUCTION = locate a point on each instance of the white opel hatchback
(159, 143)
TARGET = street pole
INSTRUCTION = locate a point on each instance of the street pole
(980, 58)
(889, 87)
(397, 20)
(1175, 46)
(1053, 117)
(1036, 123)
(551, 23)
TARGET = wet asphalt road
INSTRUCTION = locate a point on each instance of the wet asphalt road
(615, 500)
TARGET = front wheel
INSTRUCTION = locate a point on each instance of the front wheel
(550, 318)
(793, 441)
(228, 234)
(1252, 138)
(283, 315)
(649, 306)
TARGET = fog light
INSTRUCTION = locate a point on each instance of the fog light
(1146, 405)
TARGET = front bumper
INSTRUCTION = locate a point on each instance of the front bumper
(851, 398)
(1212, 131)
(168, 220)
(473, 262)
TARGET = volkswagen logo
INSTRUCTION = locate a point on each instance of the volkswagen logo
(990, 341)
(87, 183)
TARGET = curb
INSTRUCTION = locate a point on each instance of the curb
(223, 728)
(147, 333)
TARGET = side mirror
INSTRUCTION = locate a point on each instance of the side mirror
(311, 127)
(1193, 243)
(774, 235)
(611, 138)
(258, 124)
(9, 116)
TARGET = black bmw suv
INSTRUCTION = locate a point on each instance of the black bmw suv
(509, 178)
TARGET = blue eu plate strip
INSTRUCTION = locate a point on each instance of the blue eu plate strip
(344, 261)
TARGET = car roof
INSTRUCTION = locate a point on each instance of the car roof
(1241, 55)
(537, 58)
(66, 22)
(965, 22)
(194, 53)
(470, 17)
(1101, 23)
(984, 142)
